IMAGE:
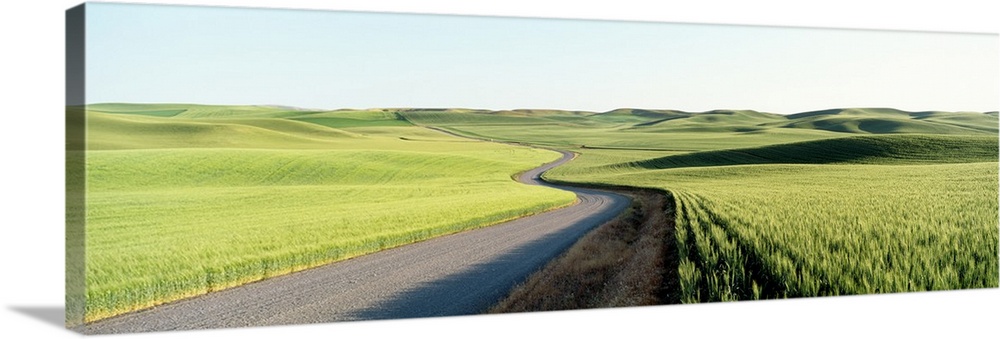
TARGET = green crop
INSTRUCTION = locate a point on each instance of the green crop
(181, 206)
(820, 203)
(186, 199)
(903, 213)
(746, 232)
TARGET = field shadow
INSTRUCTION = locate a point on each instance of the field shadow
(53, 315)
(826, 151)
(476, 289)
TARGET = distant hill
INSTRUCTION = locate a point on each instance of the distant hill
(117, 131)
(840, 120)
(888, 120)
(881, 149)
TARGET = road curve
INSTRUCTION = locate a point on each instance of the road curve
(459, 274)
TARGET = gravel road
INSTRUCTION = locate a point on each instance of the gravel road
(459, 274)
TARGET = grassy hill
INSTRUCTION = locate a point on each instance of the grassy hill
(186, 199)
(118, 131)
(833, 202)
(886, 120)
(216, 196)
(882, 149)
(354, 119)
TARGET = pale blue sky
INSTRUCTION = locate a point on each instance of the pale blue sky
(324, 59)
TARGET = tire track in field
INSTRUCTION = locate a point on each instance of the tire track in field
(459, 274)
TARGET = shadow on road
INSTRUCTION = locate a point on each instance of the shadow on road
(474, 290)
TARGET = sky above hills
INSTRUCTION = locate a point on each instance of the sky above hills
(325, 59)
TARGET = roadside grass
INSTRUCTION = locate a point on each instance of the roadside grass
(178, 207)
(625, 262)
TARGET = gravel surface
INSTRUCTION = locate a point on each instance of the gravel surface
(459, 274)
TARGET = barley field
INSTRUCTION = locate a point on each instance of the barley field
(179, 206)
(835, 202)
(187, 199)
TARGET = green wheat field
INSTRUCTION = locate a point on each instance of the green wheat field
(186, 199)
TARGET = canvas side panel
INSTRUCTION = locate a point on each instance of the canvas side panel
(75, 165)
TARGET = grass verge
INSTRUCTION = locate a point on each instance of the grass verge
(625, 262)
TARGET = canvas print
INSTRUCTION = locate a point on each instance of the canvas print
(234, 167)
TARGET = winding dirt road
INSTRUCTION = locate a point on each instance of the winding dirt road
(459, 274)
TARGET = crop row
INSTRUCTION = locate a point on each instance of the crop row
(892, 229)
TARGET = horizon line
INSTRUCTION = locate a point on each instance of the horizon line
(530, 109)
